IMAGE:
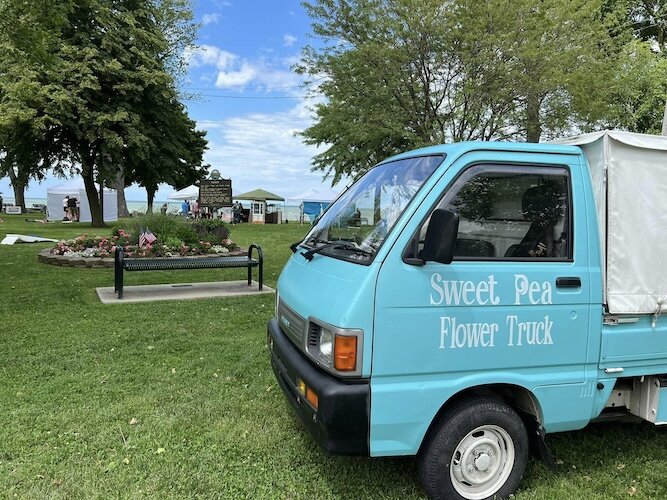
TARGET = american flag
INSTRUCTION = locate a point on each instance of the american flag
(146, 238)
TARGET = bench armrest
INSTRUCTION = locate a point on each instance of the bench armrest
(260, 267)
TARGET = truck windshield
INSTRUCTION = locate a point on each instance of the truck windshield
(356, 225)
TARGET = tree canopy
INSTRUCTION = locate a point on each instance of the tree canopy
(100, 89)
(401, 74)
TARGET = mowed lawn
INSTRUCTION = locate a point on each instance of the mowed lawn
(177, 399)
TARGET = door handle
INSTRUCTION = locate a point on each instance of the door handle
(568, 282)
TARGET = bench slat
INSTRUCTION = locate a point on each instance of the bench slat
(206, 263)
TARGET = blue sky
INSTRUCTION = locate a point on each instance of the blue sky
(251, 102)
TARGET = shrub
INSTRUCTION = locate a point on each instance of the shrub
(163, 226)
(214, 231)
(172, 242)
(186, 233)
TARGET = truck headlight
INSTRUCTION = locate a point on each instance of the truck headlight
(326, 344)
(337, 350)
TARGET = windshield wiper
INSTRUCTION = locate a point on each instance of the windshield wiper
(334, 245)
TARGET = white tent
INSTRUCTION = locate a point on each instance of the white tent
(188, 193)
(76, 188)
(313, 202)
(312, 194)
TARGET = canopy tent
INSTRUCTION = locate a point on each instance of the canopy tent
(315, 201)
(259, 195)
(75, 187)
(319, 195)
(188, 193)
(258, 209)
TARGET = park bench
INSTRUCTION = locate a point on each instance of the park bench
(122, 264)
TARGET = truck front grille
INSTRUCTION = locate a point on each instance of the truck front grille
(313, 334)
(291, 324)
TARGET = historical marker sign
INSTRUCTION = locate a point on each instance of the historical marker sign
(215, 193)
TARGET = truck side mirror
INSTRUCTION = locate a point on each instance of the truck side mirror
(441, 236)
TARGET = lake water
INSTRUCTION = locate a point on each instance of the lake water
(290, 212)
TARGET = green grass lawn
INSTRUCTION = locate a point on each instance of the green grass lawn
(177, 399)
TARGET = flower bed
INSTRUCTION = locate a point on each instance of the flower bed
(175, 238)
(99, 246)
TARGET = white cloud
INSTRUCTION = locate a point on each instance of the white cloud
(288, 40)
(262, 150)
(236, 78)
(209, 55)
(213, 18)
(266, 74)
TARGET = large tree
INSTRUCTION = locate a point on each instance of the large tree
(173, 151)
(175, 20)
(99, 67)
(27, 148)
(649, 66)
(398, 74)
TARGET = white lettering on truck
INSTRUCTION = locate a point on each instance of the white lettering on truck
(529, 332)
(456, 335)
(466, 334)
(535, 292)
(463, 292)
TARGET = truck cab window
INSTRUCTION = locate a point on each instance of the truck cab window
(511, 213)
(357, 224)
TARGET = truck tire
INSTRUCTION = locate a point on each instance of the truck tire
(479, 450)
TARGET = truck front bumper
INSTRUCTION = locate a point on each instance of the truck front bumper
(340, 425)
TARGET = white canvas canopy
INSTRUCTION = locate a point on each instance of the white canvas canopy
(319, 195)
(629, 173)
(76, 188)
(188, 193)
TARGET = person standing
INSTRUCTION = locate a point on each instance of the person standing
(236, 211)
(1, 203)
(195, 209)
(71, 208)
(65, 205)
(185, 208)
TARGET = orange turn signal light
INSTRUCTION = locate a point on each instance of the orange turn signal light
(312, 397)
(345, 353)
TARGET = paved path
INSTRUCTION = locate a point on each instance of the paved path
(181, 291)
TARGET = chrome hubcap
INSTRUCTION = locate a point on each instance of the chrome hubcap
(482, 462)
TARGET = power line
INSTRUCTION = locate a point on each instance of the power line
(268, 89)
(221, 96)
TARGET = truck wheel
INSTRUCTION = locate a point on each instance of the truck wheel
(478, 451)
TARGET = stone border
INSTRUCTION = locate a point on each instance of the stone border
(46, 257)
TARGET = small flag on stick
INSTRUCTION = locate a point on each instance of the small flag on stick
(146, 238)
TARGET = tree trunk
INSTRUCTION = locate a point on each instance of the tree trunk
(19, 189)
(100, 182)
(91, 194)
(664, 120)
(150, 191)
(533, 125)
(119, 186)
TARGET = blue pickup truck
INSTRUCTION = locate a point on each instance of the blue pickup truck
(460, 302)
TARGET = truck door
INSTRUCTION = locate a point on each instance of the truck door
(512, 308)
